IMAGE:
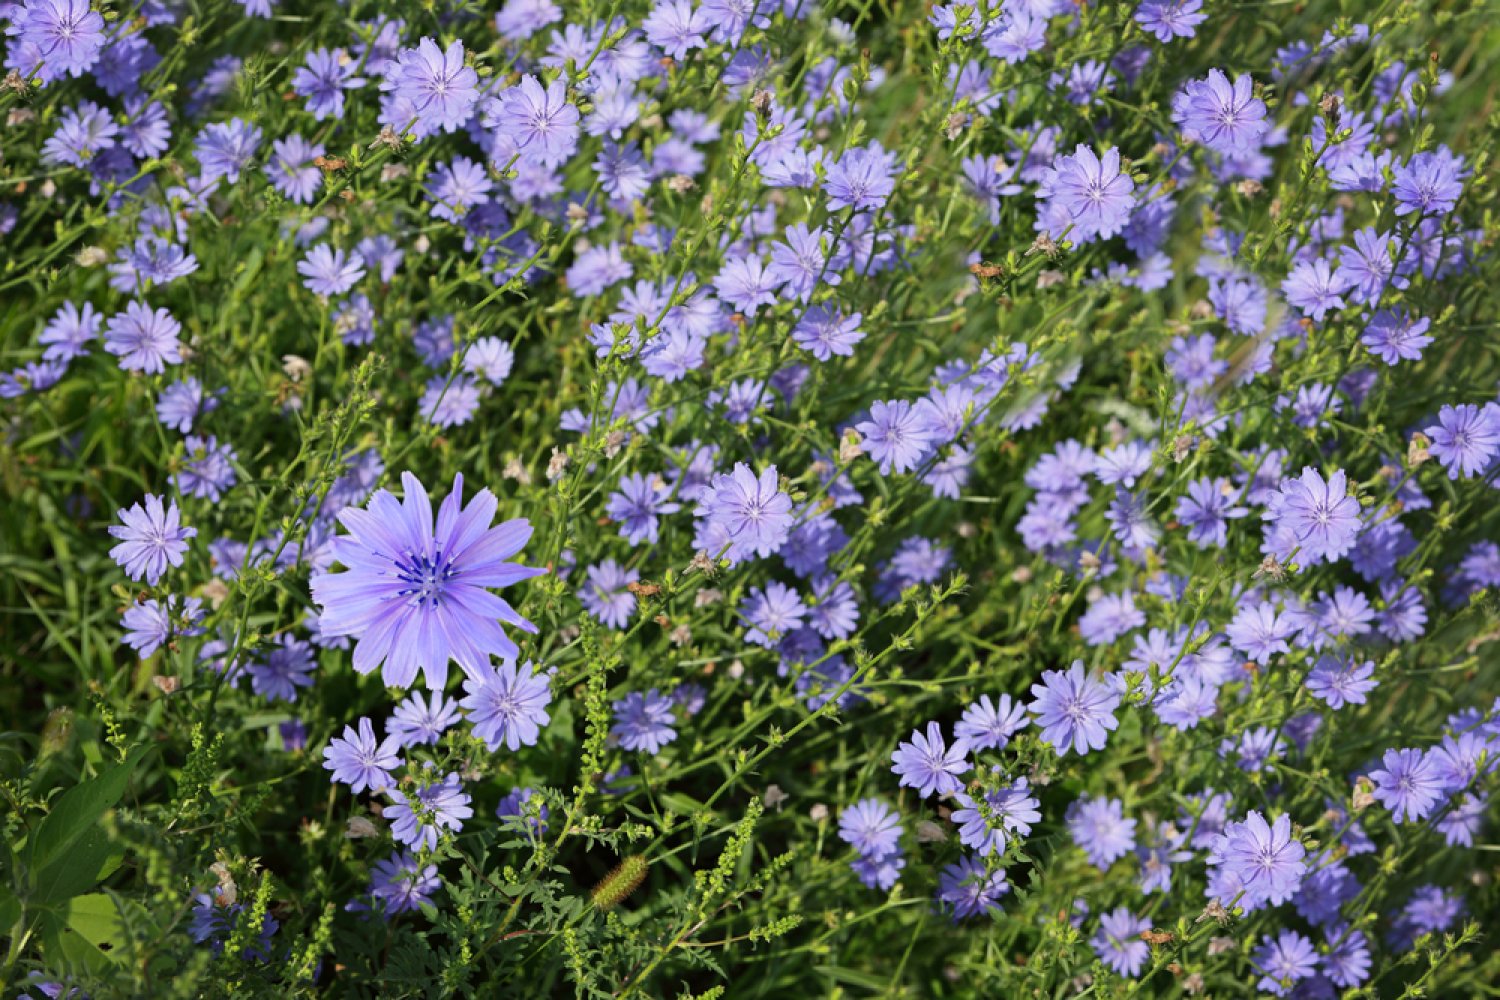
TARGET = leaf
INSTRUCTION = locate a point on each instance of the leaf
(101, 920)
(91, 857)
(854, 977)
(67, 845)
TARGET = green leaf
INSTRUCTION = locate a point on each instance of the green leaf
(67, 851)
(101, 921)
(91, 857)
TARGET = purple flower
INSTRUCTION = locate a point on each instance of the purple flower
(292, 170)
(225, 148)
(509, 705)
(1409, 784)
(329, 271)
(416, 722)
(1073, 711)
(207, 468)
(417, 817)
(428, 88)
(746, 284)
(1101, 829)
(989, 726)
(415, 596)
(747, 513)
(1429, 183)
(449, 402)
(1283, 961)
(871, 827)
(968, 889)
(1347, 958)
(1341, 681)
(399, 885)
(81, 133)
(1394, 335)
(643, 721)
(145, 341)
(606, 595)
(897, 435)
(323, 78)
(67, 335)
(799, 263)
(57, 37)
(284, 670)
(1317, 517)
(1011, 808)
(151, 539)
(539, 121)
(150, 624)
(1086, 197)
(1206, 509)
(1118, 941)
(359, 762)
(638, 505)
(1256, 862)
(1169, 19)
(675, 27)
(1227, 118)
(862, 179)
(771, 612)
(1465, 438)
(1315, 288)
(516, 806)
(928, 764)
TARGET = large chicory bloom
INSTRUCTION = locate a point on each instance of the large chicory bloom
(225, 148)
(1429, 183)
(539, 121)
(57, 37)
(1258, 862)
(746, 512)
(152, 538)
(509, 705)
(1315, 516)
(1409, 784)
(429, 88)
(1087, 197)
(143, 339)
(897, 435)
(415, 594)
(361, 762)
(1074, 711)
(928, 764)
(1465, 438)
(1226, 117)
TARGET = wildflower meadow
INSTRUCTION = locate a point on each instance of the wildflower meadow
(749, 498)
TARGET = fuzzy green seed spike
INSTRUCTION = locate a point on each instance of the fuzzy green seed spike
(614, 888)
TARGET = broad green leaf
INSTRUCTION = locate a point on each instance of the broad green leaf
(63, 841)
